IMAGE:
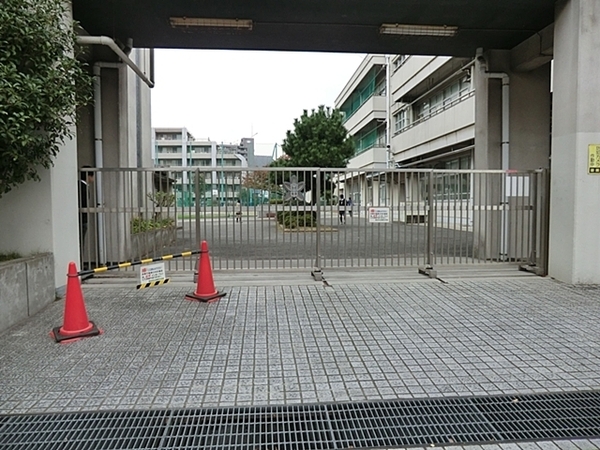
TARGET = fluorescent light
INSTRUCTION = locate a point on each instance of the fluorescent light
(186, 22)
(418, 30)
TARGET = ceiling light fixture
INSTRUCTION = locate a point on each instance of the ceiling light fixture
(190, 22)
(418, 30)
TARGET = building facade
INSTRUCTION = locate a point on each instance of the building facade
(178, 148)
(424, 112)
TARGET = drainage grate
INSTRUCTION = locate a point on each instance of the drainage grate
(444, 421)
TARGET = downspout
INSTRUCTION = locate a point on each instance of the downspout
(103, 40)
(388, 125)
(505, 161)
(99, 158)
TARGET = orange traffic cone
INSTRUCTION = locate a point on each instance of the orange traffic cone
(205, 288)
(76, 324)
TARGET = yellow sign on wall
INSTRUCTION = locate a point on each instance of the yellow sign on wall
(594, 159)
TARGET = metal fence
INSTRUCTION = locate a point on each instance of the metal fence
(275, 218)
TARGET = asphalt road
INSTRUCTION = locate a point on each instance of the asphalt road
(260, 243)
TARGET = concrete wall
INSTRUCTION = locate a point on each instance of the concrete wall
(26, 287)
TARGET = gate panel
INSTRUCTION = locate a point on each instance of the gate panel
(279, 218)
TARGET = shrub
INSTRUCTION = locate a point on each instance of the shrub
(140, 225)
(297, 219)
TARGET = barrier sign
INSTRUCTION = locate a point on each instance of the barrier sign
(594, 159)
(379, 215)
(152, 272)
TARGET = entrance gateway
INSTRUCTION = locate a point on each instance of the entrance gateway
(527, 34)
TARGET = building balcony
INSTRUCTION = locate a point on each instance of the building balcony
(449, 125)
(372, 158)
(372, 109)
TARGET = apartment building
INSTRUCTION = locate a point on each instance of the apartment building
(178, 148)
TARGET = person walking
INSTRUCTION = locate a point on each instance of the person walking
(342, 208)
(238, 211)
(350, 205)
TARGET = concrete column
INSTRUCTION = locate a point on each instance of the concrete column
(574, 254)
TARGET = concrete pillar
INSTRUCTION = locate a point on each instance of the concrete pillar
(574, 253)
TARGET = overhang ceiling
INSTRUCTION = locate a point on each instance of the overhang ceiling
(319, 25)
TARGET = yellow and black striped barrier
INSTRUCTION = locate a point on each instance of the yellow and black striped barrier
(136, 263)
(152, 283)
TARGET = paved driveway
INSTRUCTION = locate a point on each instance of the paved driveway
(265, 345)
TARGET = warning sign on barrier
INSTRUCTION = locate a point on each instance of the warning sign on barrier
(152, 272)
(379, 215)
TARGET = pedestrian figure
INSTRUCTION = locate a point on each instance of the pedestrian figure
(342, 208)
(349, 204)
(238, 211)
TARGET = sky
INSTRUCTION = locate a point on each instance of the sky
(226, 95)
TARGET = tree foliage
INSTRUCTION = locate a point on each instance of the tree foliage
(319, 139)
(41, 83)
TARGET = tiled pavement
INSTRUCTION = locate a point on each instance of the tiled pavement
(309, 343)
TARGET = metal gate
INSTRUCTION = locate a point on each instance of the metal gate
(278, 218)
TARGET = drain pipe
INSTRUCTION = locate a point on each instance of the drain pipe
(388, 118)
(99, 159)
(505, 161)
(104, 40)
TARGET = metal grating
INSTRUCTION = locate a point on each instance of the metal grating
(402, 423)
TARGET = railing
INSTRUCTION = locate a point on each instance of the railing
(293, 218)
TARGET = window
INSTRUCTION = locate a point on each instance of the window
(399, 61)
(442, 99)
(400, 120)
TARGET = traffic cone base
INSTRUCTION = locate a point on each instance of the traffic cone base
(60, 335)
(206, 299)
(205, 287)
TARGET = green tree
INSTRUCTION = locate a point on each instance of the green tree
(41, 83)
(319, 139)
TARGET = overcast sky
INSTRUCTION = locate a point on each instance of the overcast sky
(226, 95)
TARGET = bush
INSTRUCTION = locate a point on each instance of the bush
(140, 225)
(41, 84)
(297, 219)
